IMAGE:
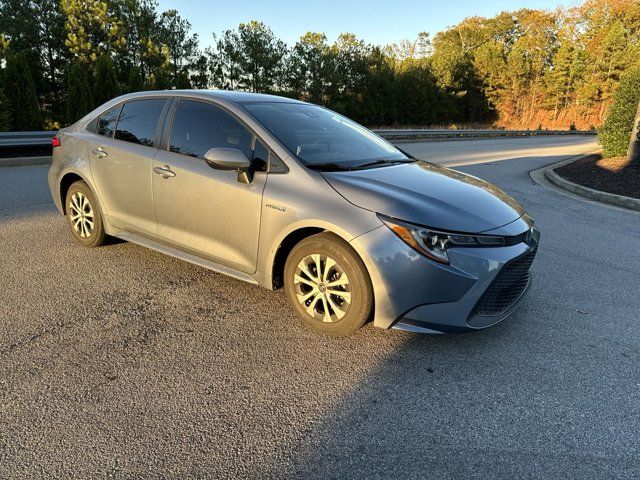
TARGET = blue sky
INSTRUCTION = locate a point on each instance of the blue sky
(377, 22)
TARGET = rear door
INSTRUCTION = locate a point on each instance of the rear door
(121, 158)
(198, 208)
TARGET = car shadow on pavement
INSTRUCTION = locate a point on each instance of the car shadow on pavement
(480, 405)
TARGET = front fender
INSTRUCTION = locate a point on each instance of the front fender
(271, 251)
(292, 203)
(384, 312)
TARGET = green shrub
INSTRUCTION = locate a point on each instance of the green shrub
(615, 134)
(20, 92)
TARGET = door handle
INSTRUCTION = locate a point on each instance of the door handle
(165, 171)
(100, 153)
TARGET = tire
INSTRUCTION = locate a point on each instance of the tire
(84, 216)
(340, 300)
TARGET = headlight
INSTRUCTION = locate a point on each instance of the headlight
(435, 243)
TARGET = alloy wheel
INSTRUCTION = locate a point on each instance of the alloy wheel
(322, 287)
(81, 215)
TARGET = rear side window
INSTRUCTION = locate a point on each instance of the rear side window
(198, 126)
(107, 121)
(138, 121)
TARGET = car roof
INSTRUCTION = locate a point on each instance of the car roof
(228, 95)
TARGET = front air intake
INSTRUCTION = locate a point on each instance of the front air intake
(507, 287)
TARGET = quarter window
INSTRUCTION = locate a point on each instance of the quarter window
(91, 126)
(138, 121)
(107, 121)
(198, 126)
(260, 156)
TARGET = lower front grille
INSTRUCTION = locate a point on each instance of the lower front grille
(507, 287)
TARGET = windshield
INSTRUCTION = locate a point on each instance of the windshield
(322, 138)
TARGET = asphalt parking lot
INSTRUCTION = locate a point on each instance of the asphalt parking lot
(120, 362)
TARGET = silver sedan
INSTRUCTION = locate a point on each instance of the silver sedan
(288, 194)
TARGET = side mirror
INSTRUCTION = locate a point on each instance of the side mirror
(230, 159)
(227, 158)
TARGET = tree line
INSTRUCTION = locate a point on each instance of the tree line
(523, 69)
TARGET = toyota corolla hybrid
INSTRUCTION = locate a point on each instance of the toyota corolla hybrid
(283, 193)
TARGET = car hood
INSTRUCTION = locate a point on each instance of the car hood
(429, 195)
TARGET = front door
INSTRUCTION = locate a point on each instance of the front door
(200, 209)
(120, 157)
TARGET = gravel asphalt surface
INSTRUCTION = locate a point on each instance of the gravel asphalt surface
(120, 362)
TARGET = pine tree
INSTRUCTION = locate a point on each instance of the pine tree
(181, 81)
(5, 117)
(160, 80)
(21, 94)
(93, 27)
(79, 94)
(106, 82)
(615, 133)
(134, 82)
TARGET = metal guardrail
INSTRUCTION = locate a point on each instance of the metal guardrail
(25, 139)
(43, 139)
(424, 134)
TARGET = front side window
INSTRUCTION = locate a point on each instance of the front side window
(198, 127)
(138, 121)
(322, 138)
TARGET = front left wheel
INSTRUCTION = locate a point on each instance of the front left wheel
(84, 216)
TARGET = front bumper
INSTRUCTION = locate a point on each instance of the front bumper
(416, 294)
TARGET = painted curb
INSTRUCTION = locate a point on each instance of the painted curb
(590, 193)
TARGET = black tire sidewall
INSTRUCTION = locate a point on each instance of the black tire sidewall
(361, 290)
(97, 237)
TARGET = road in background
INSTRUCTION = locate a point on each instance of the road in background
(121, 362)
(468, 152)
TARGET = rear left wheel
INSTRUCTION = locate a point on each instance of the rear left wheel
(328, 285)
(84, 216)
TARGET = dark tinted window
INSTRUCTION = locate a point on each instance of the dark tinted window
(138, 120)
(260, 156)
(319, 136)
(107, 121)
(198, 126)
(91, 126)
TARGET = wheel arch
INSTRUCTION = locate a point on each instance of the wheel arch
(65, 183)
(68, 178)
(291, 237)
(285, 246)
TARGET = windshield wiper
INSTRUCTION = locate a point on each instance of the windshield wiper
(335, 167)
(383, 162)
(328, 167)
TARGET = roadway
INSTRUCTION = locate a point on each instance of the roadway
(120, 362)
